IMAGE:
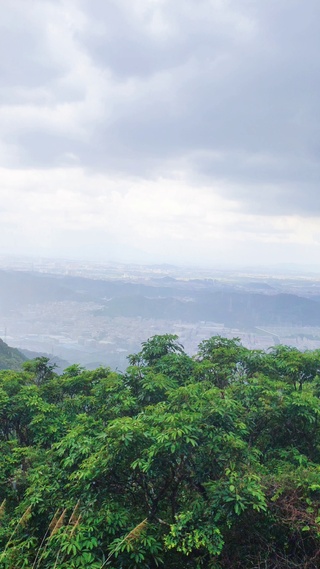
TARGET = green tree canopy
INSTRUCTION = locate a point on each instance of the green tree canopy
(205, 461)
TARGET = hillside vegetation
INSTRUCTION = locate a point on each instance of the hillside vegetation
(10, 358)
(204, 462)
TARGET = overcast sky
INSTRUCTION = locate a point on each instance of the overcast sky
(180, 131)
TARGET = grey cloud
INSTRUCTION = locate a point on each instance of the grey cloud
(284, 186)
(120, 40)
(39, 149)
(229, 95)
(25, 62)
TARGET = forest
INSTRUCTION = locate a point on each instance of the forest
(210, 461)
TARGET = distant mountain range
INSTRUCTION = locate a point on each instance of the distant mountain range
(230, 308)
(255, 303)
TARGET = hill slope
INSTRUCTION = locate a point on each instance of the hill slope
(10, 358)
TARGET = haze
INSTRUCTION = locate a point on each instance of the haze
(160, 131)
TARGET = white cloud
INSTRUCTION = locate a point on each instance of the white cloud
(165, 218)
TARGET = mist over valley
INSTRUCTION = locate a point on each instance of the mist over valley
(98, 314)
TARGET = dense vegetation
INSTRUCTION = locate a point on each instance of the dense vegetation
(10, 358)
(204, 462)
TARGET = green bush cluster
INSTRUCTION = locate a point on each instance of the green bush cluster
(211, 461)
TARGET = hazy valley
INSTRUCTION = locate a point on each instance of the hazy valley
(98, 314)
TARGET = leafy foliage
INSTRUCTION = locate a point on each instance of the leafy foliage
(10, 358)
(211, 461)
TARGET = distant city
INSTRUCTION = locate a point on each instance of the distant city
(99, 313)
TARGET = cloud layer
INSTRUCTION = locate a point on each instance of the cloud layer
(135, 128)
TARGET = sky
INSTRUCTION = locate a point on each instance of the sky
(161, 131)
